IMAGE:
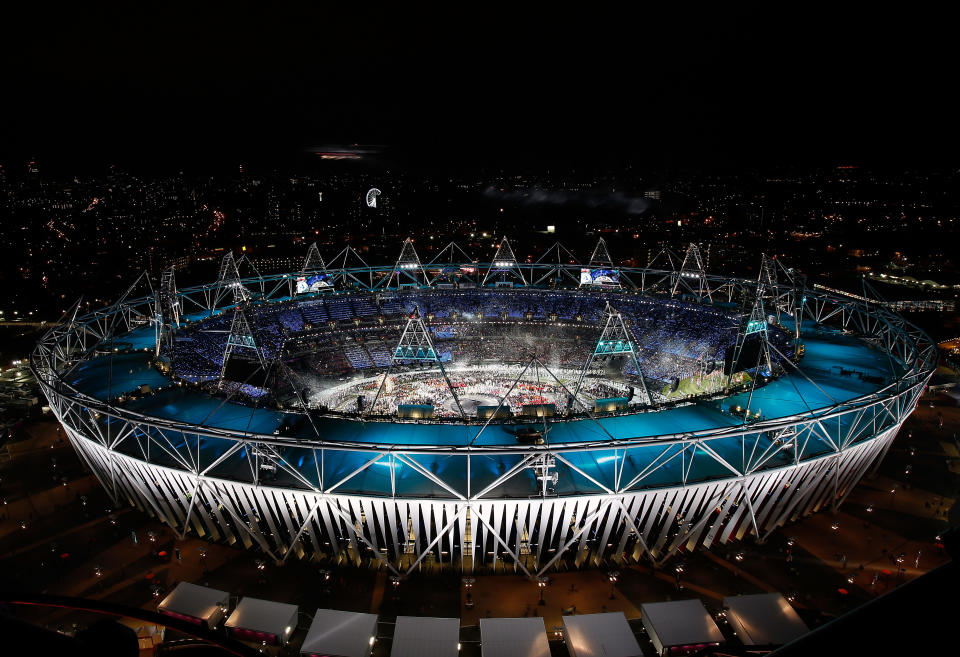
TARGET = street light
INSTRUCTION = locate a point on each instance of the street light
(541, 584)
(612, 576)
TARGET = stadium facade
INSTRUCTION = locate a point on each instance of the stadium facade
(169, 430)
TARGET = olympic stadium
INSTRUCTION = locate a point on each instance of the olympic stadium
(483, 416)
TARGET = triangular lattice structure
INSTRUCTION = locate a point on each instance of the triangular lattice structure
(408, 270)
(554, 263)
(313, 275)
(415, 342)
(692, 277)
(504, 264)
(447, 265)
(169, 306)
(601, 272)
(601, 255)
(661, 271)
(228, 281)
(615, 340)
(241, 337)
(313, 263)
(415, 345)
(753, 322)
(768, 281)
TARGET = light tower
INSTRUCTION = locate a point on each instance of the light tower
(415, 345)
(600, 260)
(753, 322)
(615, 340)
(241, 336)
(169, 306)
(408, 270)
(228, 281)
(692, 276)
(504, 263)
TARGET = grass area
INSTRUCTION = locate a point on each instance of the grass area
(690, 387)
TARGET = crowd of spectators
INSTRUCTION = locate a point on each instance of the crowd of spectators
(356, 332)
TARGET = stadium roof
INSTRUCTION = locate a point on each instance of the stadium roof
(763, 619)
(600, 635)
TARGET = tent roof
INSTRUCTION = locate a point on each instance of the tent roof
(194, 600)
(418, 636)
(600, 635)
(263, 616)
(343, 633)
(514, 637)
(764, 619)
(681, 622)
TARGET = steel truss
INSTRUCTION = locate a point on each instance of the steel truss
(253, 495)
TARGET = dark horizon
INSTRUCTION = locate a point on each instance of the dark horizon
(721, 88)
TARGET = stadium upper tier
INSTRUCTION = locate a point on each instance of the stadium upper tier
(355, 332)
(836, 369)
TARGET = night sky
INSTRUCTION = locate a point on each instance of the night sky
(86, 85)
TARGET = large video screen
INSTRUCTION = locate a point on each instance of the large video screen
(313, 283)
(609, 277)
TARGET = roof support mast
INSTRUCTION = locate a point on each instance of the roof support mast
(615, 340)
(416, 346)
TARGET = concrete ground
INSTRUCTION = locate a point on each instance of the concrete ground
(60, 534)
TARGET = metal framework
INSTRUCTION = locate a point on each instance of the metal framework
(505, 264)
(408, 271)
(644, 498)
(614, 340)
(692, 276)
(313, 263)
(242, 336)
(169, 305)
(415, 346)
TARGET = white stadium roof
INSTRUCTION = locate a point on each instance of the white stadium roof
(277, 618)
(341, 633)
(764, 619)
(417, 636)
(514, 637)
(600, 635)
(196, 601)
(679, 623)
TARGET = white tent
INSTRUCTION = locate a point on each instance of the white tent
(679, 623)
(764, 619)
(341, 633)
(513, 637)
(262, 620)
(417, 636)
(195, 604)
(600, 635)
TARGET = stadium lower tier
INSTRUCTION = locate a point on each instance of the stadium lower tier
(393, 499)
(481, 533)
